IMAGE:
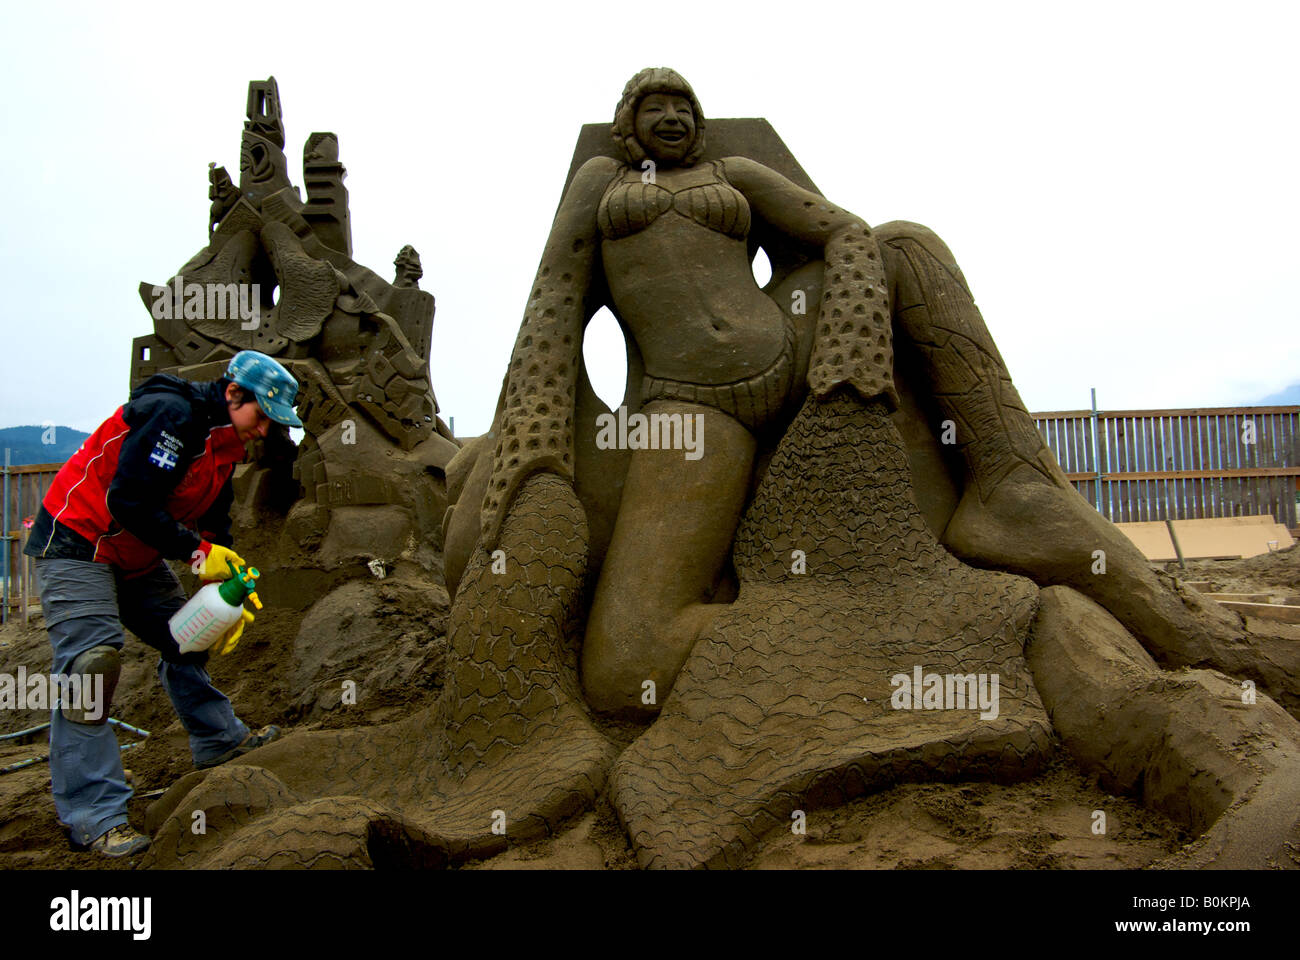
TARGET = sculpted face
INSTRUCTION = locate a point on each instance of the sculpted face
(665, 127)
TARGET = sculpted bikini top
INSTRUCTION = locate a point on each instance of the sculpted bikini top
(630, 206)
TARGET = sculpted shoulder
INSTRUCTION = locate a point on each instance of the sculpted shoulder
(596, 172)
(578, 208)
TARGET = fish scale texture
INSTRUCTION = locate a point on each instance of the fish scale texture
(768, 714)
(509, 733)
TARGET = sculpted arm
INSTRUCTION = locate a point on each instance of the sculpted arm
(536, 425)
(802, 214)
(853, 343)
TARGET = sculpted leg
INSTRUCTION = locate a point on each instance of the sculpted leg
(670, 543)
(1188, 742)
(1018, 512)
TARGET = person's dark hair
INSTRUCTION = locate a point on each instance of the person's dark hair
(242, 394)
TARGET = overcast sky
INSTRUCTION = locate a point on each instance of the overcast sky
(1117, 180)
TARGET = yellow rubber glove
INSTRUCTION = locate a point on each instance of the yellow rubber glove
(230, 639)
(212, 564)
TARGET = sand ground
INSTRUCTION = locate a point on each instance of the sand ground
(1046, 823)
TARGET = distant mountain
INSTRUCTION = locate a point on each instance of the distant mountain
(30, 444)
(1287, 397)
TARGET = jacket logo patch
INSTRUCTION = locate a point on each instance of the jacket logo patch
(165, 450)
(162, 457)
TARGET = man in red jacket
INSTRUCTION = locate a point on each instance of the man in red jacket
(153, 483)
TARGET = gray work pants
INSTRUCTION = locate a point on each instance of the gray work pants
(87, 604)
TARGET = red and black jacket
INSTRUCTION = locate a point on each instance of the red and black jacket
(153, 481)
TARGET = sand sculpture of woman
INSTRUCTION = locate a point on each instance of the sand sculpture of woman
(767, 690)
(669, 231)
(665, 233)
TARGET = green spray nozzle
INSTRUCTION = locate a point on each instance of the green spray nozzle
(242, 583)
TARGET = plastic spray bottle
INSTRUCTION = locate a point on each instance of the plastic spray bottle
(214, 609)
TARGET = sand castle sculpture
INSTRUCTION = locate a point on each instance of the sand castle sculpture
(849, 561)
(278, 276)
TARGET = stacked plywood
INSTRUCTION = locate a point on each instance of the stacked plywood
(1249, 604)
(1214, 538)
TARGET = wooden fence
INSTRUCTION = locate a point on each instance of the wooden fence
(1181, 464)
(26, 486)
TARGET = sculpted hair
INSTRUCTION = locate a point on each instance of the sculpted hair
(648, 81)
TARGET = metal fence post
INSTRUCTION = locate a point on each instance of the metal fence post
(1096, 454)
(5, 538)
